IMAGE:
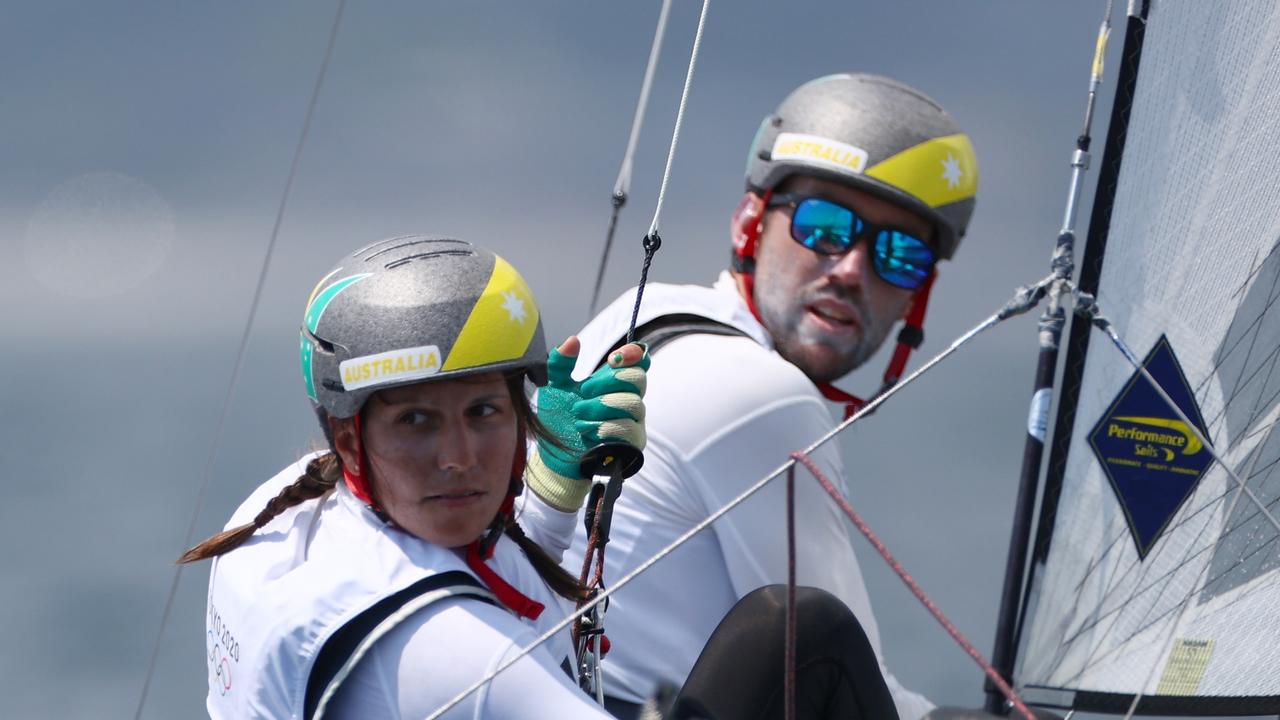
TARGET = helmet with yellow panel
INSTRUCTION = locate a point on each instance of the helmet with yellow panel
(877, 135)
(415, 308)
(884, 138)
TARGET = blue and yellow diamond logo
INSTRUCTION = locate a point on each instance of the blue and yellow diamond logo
(1152, 457)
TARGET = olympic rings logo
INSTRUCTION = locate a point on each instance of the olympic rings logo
(219, 666)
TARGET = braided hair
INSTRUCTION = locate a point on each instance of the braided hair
(323, 473)
(320, 477)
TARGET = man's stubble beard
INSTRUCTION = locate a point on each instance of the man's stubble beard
(784, 317)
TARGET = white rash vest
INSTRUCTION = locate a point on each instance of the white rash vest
(275, 600)
(721, 413)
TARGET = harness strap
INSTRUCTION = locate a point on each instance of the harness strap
(665, 328)
(340, 653)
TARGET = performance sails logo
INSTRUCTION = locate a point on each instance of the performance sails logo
(1151, 456)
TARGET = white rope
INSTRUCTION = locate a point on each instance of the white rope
(207, 473)
(994, 319)
(623, 184)
(675, 135)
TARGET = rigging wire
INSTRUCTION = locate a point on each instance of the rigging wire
(652, 241)
(1093, 658)
(1086, 307)
(1198, 585)
(1090, 310)
(1009, 693)
(1051, 322)
(1024, 299)
(675, 135)
(622, 186)
(207, 474)
(592, 627)
(789, 634)
(1144, 584)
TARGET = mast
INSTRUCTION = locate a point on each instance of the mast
(1004, 653)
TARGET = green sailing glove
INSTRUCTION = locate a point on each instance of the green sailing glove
(605, 407)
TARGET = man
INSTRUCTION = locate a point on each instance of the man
(856, 186)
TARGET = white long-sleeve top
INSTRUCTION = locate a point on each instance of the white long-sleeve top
(443, 649)
(721, 413)
(274, 600)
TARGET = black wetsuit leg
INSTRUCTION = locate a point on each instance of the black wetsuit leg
(739, 675)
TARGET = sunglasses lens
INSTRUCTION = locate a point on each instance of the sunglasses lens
(901, 259)
(824, 227)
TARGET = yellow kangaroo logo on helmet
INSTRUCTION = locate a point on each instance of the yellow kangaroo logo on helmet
(1185, 438)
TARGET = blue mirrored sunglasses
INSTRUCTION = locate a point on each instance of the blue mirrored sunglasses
(899, 258)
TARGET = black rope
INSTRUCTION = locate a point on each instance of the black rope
(651, 244)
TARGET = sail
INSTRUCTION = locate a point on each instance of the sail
(1153, 573)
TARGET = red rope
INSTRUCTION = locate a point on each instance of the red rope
(594, 552)
(789, 679)
(1010, 694)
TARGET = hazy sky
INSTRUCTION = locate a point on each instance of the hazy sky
(147, 146)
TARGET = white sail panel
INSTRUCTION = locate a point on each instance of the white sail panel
(1192, 262)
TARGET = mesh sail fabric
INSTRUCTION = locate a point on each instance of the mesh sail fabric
(1180, 604)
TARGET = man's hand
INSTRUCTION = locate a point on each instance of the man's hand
(605, 407)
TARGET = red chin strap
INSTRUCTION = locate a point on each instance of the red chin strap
(909, 337)
(511, 598)
(481, 550)
(358, 482)
(911, 334)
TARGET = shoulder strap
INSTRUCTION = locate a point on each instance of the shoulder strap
(352, 641)
(665, 328)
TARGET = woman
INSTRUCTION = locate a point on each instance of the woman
(353, 587)
(383, 577)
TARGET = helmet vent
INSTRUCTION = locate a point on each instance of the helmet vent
(427, 256)
(324, 345)
(408, 241)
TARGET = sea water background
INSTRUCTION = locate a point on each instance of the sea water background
(146, 146)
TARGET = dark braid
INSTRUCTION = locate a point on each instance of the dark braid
(561, 581)
(320, 477)
(324, 471)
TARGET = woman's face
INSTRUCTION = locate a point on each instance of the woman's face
(439, 455)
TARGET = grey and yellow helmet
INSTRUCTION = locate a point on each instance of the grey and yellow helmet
(877, 135)
(415, 308)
